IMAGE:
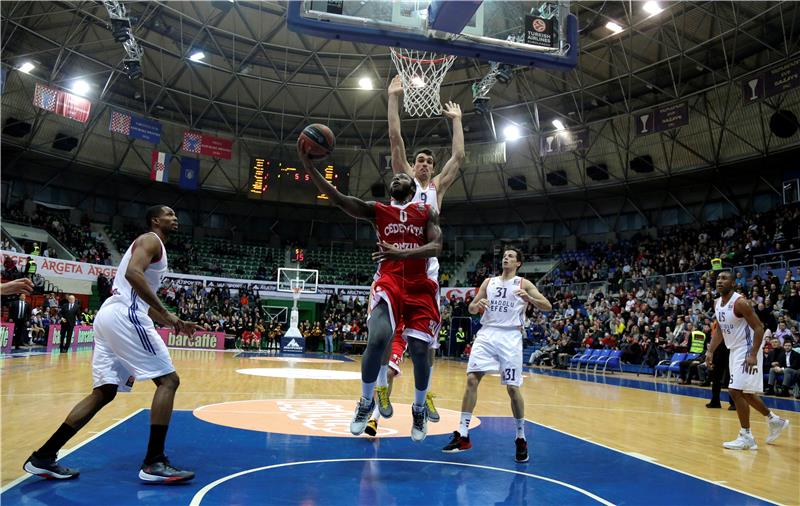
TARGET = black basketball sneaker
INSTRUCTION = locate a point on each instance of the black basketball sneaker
(48, 468)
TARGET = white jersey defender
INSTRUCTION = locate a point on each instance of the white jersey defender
(127, 346)
(738, 338)
(498, 345)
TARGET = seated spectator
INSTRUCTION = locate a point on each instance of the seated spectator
(783, 360)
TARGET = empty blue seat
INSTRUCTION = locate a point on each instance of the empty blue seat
(671, 365)
(595, 359)
(585, 360)
(612, 361)
(578, 356)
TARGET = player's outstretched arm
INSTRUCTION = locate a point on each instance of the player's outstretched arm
(453, 166)
(21, 285)
(530, 294)
(147, 248)
(480, 302)
(399, 163)
(353, 206)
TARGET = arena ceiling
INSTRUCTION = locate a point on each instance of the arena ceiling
(260, 84)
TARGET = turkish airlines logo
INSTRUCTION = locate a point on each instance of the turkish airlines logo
(539, 25)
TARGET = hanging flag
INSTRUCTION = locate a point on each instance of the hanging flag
(208, 145)
(159, 167)
(190, 173)
(135, 126)
(62, 103)
(2, 80)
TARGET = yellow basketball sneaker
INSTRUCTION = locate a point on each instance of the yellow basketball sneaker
(384, 404)
(372, 428)
(433, 415)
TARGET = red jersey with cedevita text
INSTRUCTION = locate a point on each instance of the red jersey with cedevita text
(404, 227)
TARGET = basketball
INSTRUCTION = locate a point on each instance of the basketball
(316, 141)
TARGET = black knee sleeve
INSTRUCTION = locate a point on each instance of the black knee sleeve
(108, 392)
(418, 350)
(380, 333)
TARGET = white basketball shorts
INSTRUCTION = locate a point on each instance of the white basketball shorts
(750, 383)
(497, 348)
(127, 347)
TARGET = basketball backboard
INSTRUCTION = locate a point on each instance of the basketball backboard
(538, 34)
(302, 280)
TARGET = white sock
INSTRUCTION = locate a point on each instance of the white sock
(463, 427)
(419, 397)
(376, 413)
(745, 432)
(520, 422)
(383, 376)
(367, 390)
(772, 416)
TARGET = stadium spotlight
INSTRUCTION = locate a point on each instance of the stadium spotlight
(652, 8)
(614, 27)
(121, 29)
(80, 87)
(27, 67)
(197, 56)
(365, 83)
(481, 105)
(512, 133)
(505, 73)
(558, 124)
(133, 69)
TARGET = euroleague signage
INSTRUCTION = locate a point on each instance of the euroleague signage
(539, 31)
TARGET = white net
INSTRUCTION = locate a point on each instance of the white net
(422, 73)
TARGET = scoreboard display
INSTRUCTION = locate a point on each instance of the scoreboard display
(271, 179)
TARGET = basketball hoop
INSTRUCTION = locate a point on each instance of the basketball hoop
(297, 286)
(421, 73)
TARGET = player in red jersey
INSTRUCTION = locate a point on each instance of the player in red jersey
(409, 236)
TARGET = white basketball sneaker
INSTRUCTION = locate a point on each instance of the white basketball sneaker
(364, 408)
(776, 426)
(745, 441)
(419, 428)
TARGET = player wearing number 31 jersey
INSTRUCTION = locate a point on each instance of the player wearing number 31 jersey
(498, 345)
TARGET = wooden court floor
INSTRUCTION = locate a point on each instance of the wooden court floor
(675, 430)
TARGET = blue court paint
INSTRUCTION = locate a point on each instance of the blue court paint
(413, 473)
(655, 386)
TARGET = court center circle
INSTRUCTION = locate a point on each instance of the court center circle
(416, 481)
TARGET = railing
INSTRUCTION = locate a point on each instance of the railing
(691, 277)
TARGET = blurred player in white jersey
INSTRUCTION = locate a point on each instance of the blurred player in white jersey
(430, 190)
(743, 333)
(498, 345)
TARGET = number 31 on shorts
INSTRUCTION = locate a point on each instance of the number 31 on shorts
(510, 374)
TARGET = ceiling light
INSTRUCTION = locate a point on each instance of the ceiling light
(27, 67)
(614, 27)
(652, 8)
(365, 83)
(511, 133)
(80, 87)
(558, 124)
(197, 56)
